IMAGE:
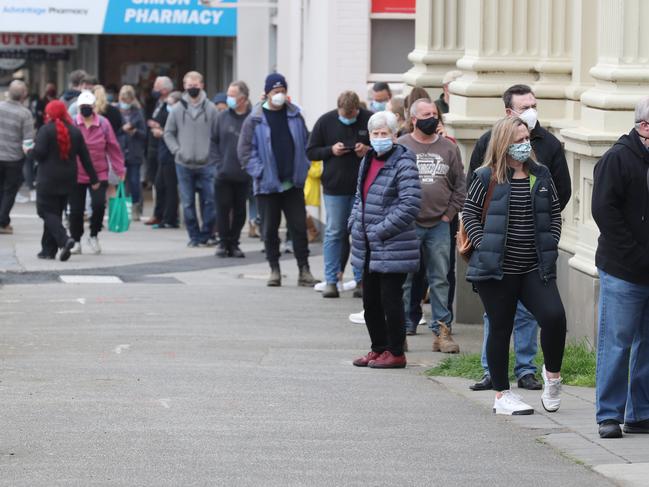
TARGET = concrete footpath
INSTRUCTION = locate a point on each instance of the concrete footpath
(163, 365)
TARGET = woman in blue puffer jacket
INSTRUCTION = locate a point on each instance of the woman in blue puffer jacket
(384, 242)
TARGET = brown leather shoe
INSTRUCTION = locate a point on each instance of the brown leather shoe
(8, 230)
(444, 341)
(152, 221)
(365, 359)
(388, 361)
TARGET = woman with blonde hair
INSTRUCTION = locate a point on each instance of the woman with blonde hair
(105, 109)
(132, 140)
(513, 219)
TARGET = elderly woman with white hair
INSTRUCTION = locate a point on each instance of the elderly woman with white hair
(384, 242)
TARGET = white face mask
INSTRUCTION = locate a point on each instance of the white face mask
(530, 117)
(278, 99)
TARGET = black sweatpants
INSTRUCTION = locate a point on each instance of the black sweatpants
(231, 198)
(384, 313)
(271, 206)
(166, 194)
(78, 205)
(542, 299)
(50, 208)
(11, 177)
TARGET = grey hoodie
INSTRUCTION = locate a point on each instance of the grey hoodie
(188, 129)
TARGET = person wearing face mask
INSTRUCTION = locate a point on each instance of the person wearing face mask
(166, 182)
(384, 239)
(620, 207)
(519, 101)
(443, 189)
(272, 149)
(381, 95)
(48, 96)
(187, 135)
(340, 140)
(512, 216)
(133, 141)
(162, 86)
(104, 149)
(232, 181)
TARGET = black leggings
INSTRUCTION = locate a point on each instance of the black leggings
(542, 300)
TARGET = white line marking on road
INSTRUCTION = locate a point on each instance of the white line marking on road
(164, 403)
(120, 348)
(69, 312)
(72, 279)
(10, 301)
(68, 300)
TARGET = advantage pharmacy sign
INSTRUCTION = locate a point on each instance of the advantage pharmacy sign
(152, 17)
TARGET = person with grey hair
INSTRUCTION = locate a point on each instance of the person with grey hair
(384, 241)
(232, 181)
(620, 207)
(16, 139)
(165, 213)
(441, 174)
(162, 86)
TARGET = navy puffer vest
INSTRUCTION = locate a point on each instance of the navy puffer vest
(487, 261)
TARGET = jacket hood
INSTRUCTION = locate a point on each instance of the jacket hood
(632, 142)
(70, 94)
(292, 110)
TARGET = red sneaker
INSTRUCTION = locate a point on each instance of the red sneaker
(365, 359)
(388, 361)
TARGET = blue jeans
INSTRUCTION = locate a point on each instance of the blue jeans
(622, 384)
(435, 247)
(338, 208)
(201, 180)
(525, 342)
(134, 182)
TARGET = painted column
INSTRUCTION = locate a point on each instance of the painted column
(439, 42)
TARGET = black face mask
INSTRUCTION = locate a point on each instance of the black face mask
(193, 92)
(427, 125)
(86, 111)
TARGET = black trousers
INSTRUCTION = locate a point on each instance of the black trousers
(166, 194)
(542, 299)
(271, 207)
(384, 313)
(77, 202)
(50, 208)
(11, 177)
(231, 198)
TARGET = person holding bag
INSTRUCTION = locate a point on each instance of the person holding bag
(514, 257)
(57, 146)
(104, 150)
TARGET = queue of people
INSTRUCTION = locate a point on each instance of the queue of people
(394, 188)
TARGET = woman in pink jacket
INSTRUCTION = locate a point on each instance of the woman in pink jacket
(104, 150)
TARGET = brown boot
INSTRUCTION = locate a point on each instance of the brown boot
(444, 342)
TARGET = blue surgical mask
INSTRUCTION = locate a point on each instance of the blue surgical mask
(124, 106)
(378, 106)
(231, 102)
(520, 152)
(346, 121)
(381, 146)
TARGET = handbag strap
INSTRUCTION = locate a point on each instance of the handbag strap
(487, 199)
(120, 190)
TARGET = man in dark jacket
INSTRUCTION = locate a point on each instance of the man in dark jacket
(232, 181)
(340, 140)
(272, 148)
(620, 207)
(520, 102)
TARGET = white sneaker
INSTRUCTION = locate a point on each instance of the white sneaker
(32, 195)
(93, 242)
(551, 397)
(21, 198)
(76, 249)
(422, 321)
(342, 286)
(319, 287)
(512, 405)
(358, 318)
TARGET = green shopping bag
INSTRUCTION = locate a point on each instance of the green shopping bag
(119, 210)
